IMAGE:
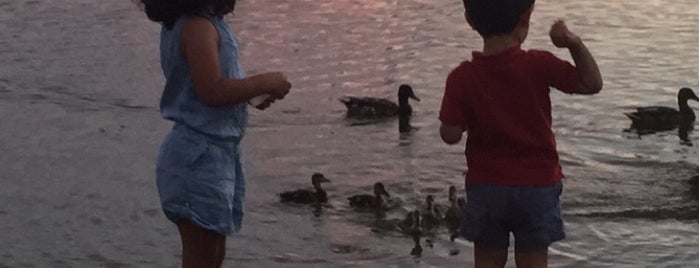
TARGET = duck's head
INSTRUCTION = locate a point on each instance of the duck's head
(686, 94)
(452, 193)
(405, 92)
(461, 201)
(429, 200)
(380, 190)
(318, 178)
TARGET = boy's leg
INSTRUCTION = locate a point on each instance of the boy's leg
(487, 257)
(484, 225)
(200, 247)
(535, 259)
(538, 224)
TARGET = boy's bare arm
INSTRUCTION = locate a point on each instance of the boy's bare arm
(590, 77)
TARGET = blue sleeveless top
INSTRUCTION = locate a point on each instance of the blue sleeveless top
(180, 103)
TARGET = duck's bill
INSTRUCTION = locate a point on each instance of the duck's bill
(412, 96)
(324, 179)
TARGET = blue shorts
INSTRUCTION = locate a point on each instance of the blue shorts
(200, 179)
(531, 214)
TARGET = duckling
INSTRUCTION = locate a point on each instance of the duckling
(404, 225)
(308, 196)
(367, 201)
(368, 107)
(453, 216)
(453, 209)
(432, 215)
(452, 194)
(665, 118)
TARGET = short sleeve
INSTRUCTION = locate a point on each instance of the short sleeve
(559, 74)
(453, 110)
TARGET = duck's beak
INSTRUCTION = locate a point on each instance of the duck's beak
(324, 179)
(386, 193)
(412, 96)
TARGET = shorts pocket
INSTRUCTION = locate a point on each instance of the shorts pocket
(195, 151)
(181, 151)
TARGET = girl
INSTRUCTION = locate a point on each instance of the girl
(199, 173)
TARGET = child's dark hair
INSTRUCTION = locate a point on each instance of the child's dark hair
(495, 17)
(167, 11)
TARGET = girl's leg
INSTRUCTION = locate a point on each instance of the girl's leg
(487, 257)
(221, 250)
(201, 248)
(535, 259)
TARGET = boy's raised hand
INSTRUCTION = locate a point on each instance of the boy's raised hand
(561, 36)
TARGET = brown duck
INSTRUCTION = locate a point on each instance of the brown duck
(665, 118)
(303, 196)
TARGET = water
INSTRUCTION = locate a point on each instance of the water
(80, 82)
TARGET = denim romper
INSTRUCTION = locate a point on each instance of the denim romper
(199, 170)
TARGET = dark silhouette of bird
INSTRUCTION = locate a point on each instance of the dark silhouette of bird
(661, 118)
(368, 201)
(370, 107)
(303, 196)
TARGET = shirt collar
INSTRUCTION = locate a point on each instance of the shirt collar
(497, 58)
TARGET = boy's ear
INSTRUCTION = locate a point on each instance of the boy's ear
(526, 16)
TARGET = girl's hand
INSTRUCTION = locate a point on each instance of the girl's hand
(265, 104)
(274, 83)
(561, 36)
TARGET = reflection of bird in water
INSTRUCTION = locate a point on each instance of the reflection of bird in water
(373, 202)
(660, 118)
(376, 108)
(415, 232)
(410, 225)
(303, 196)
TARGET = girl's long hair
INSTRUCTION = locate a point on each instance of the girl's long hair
(167, 11)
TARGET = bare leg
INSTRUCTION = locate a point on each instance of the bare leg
(489, 257)
(221, 250)
(536, 259)
(201, 248)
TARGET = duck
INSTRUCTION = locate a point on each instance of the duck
(367, 201)
(370, 107)
(304, 196)
(451, 216)
(431, 215)
(454, 214)
(694, 181)
(662, 117)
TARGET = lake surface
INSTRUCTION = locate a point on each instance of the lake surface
(80, 129)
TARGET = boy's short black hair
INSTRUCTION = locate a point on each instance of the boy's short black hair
(167, 11)
(495, 17)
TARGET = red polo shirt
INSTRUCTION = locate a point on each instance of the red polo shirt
(503, 102)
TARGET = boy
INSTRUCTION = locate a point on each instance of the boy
(501, 98)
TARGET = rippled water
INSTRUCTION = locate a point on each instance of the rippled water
(80, 81)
